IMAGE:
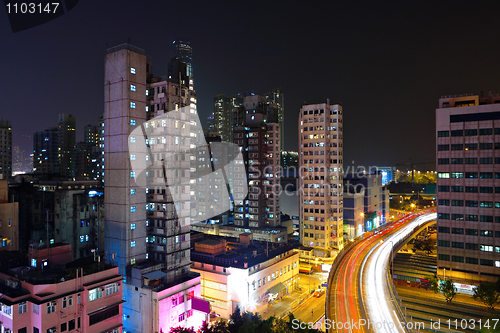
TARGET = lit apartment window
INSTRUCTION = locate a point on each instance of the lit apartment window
(82, 239)
(94, 294)
(132, 174)
(132, 70)
(147, 255)
(132, 157)
(132, 244)
(147, 94)
(132, 122)
(132, 139)
(132, 209)
(51, 307)
(112, 289)
(132, 261)
(132, 191)
(132, 105)
(132, 226)
(132, 87)
(22, 307)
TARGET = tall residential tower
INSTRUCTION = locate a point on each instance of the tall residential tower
(320, 178)
(5, 149)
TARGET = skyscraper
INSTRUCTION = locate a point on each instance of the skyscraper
(467, 153)
(46, 151)
(5, 149)
(277, 97)
(222, 117)
(230, 112)
(185, 51)
(260, 143)
(147, 233)
(320, 178)
(66, 147)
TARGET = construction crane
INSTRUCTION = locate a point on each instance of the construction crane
(412, 167)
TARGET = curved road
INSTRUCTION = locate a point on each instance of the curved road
(347, 313)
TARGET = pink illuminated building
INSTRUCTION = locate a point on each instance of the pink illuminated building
(61, 299)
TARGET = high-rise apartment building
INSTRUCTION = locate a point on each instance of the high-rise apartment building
(185, 51)
(222, 117)
(320, 179)
(230, 112)
(277, 97)
(147, 232)
(66, 147)
(468, 191)
(45, 151)
(260, 143)
(54, 149)
(5, 149)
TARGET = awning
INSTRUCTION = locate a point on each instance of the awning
(277, 288)
(155, 275)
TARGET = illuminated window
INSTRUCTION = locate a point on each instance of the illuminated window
(132, 209)
(132, 139)
(132, 157)
(132, 87)
(132, 244)
(132, 226)
(132, 191)
(132, 174)
(132, 261)
(132, 70)
(132, 122)
(132, 105)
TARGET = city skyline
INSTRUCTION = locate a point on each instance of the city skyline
(387, 68)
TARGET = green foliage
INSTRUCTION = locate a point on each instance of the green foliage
(434, 283)
(488, 293)
(448, 290)
(248, 322)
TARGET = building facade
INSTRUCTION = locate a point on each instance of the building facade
(72, 302)
(147, 231)
(260, 145)
(320, 181)
(239, 272)
(468, 159)
(9, 220)
(5, 149)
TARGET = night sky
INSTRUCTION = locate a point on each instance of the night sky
(387, 62)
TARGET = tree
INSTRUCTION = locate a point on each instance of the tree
(434, 283)
(448, 290)
(248, 322)
(428, 247)
(488, 294)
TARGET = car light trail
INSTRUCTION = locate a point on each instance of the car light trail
(378, 301)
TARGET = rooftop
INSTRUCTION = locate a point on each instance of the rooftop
(240, 255)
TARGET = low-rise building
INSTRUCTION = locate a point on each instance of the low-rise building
(240, 272)
(61, 298)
